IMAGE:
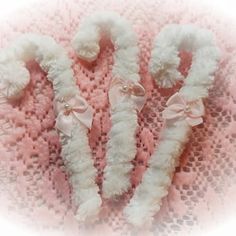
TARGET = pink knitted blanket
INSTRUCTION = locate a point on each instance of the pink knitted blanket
(33, 181)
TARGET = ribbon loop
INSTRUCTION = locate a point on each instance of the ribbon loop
(179, 108)
(72, 111)
(121, 90)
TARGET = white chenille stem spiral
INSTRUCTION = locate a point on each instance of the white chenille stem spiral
(52, 58)
(122, 143)
(164, 64)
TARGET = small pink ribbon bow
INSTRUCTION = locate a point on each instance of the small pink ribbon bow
(178, 107)
(72, 111)
(121, 90)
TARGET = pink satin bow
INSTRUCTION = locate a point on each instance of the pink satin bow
(72, 111)
(121, 90)
(178, 107)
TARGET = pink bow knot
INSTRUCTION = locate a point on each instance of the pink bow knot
(179, 108)
(71, 112)
(121, 90)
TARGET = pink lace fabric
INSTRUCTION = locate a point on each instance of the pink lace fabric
(34, 185)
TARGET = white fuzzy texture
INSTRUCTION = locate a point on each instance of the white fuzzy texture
(75, 149)
(122, 143)
(165, 60)
(164, 63)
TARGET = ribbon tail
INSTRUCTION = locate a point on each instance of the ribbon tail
(64, 124)
(115, 96)
(139, 102)
(175, 99)
(198, 108)
(86, 118)
(194, 121)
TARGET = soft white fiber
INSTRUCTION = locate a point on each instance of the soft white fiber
(122, 144)
(164, 64)
(14, 77)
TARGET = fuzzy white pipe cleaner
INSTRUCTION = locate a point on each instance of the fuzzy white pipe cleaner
(126, 95)
(184, 110)
(74, 115)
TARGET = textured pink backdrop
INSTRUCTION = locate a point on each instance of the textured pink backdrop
(34, 185)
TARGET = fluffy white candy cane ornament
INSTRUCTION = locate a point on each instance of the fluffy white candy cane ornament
(74, 115)
(184, 110)
(126, 94)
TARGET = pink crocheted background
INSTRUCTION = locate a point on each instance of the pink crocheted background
(34, 186)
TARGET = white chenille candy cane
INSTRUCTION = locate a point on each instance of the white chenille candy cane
(126, 95)
(74, 115)
(184, 110)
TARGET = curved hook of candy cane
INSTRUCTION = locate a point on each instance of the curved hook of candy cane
(122, 98)
(179, 115)
(165, 59)
(14, 77)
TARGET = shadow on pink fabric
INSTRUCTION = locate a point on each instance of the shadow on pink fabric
(34, 186)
